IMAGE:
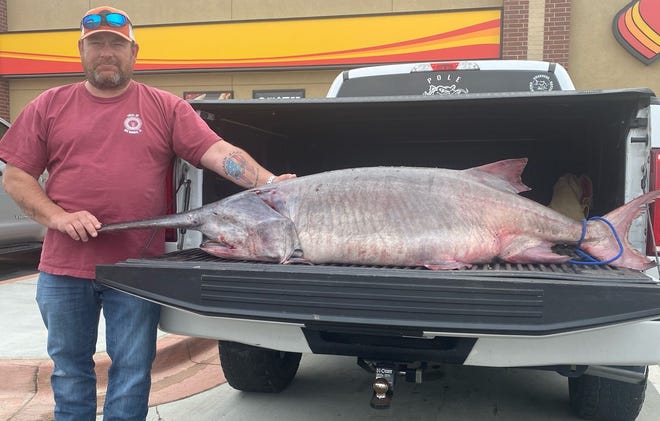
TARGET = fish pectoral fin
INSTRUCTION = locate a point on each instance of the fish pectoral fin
(526, 250)
(297, 260)
(447, 265)
(297, 257)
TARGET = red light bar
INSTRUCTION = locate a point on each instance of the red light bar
(444, 66)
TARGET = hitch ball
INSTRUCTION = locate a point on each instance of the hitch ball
(381, 386)
(382, 396)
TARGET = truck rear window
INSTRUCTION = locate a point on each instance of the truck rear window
(454, 82)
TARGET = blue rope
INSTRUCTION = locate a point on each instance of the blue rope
(589, 260)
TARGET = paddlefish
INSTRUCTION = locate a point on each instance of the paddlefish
(402, 216)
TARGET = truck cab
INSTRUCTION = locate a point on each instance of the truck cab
(451, 78)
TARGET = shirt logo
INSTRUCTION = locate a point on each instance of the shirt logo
(133, 124)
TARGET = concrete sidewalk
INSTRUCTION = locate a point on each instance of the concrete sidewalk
(183, 367)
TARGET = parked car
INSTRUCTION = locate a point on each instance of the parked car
(18, 232)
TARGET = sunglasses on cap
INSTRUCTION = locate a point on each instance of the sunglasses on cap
(116, 20)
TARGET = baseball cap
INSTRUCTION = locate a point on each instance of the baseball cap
(106, 19)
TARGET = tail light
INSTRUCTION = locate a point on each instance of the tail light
(654, 209)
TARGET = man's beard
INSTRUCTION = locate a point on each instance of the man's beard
(116, 80)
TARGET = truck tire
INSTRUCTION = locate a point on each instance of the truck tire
(598, 398)
(253, 369)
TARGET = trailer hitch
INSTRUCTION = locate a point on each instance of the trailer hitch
(383, 387)
(386, 376)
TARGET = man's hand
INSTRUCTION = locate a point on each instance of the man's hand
(80, 225)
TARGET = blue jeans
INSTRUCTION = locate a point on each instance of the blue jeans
(70, 308)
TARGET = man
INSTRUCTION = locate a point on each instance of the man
(107, 144)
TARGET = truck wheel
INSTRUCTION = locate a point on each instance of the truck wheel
(252, 369)
(598, 398)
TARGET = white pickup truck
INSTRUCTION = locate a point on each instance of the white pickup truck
(597, 325)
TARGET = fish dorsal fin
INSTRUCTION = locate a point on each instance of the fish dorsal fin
(502, 175)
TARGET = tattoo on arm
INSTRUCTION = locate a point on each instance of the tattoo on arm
(237, 168)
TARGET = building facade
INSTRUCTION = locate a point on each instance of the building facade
(253, 48)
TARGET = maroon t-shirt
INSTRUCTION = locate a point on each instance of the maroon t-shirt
(109, 156)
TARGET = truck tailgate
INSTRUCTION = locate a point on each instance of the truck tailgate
(497, 298)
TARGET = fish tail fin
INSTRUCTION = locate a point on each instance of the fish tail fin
(621, 219)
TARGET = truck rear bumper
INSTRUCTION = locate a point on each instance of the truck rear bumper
(636, 343)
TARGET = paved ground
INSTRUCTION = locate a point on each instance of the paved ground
(334, 388)
(184, 366)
